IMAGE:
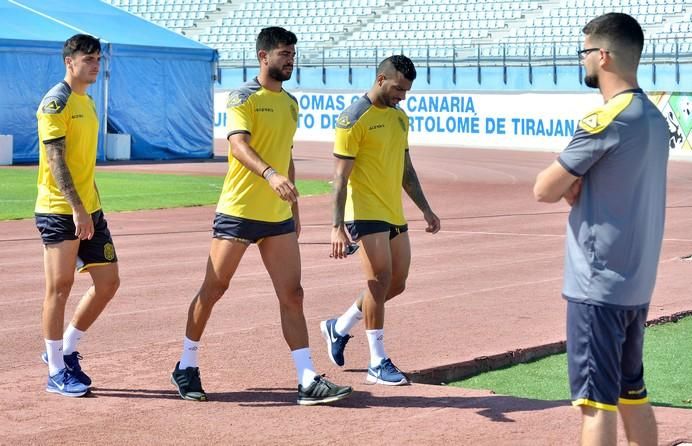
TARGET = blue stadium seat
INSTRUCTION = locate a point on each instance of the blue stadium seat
(414, 24)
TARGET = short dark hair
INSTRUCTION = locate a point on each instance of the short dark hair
(81, 43)
(273, 37)
(619, 30)
(400, 63)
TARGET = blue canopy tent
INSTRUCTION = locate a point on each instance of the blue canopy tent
(155, 85)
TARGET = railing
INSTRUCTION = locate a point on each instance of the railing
(664, 51)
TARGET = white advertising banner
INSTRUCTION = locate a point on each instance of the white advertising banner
(525, 121)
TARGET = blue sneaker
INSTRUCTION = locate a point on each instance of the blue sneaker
(335, 342)
(72, 363)
(386, 373)
(66, 384)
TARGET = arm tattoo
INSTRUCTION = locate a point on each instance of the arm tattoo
(339, 199)
(412, 186)
(55, 154)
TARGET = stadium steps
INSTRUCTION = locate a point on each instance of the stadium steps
(685, 16)
(314, 55)
(528, 16)
(224, 9)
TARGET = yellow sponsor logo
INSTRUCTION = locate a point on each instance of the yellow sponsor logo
(636, 392)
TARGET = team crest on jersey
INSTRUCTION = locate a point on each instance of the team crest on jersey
(52, 106)
(109, 251)
(343, 121)
(294, 114)
(402, 123)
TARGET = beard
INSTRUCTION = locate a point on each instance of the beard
(591, 80)
(389, 102)
(278, 75)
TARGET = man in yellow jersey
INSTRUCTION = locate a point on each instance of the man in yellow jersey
(69, 216)
(259, 204)
(372, 165)
(613, 174)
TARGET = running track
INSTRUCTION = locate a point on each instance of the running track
(488, 284)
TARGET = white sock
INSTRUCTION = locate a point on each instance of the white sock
(304, 368)
(190, 356)
(376, 342)
(55, 359)
(70, 339)
(346, 322)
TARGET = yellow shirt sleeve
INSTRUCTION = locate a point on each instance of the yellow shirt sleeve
(347, 141)
(52, 125)
(240, 116)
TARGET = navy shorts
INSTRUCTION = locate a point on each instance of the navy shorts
(249, 231)
(56, 228)
(604, 355)
(360, 228)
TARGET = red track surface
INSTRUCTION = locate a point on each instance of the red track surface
(487, 284)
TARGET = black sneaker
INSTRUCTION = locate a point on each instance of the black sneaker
(188, 383)
(322, 391)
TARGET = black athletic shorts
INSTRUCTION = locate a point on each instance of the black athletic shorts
(360, 228)
(56, 228)
(249, 231)
(604, 355)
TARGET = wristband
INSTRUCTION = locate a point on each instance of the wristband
(268, 172)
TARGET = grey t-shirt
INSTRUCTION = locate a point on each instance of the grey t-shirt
(615, 228)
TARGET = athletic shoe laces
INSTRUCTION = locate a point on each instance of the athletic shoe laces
(341, 341)
(389, 367)
(72, 361)
(194, 382)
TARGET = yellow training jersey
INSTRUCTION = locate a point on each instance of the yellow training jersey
(66, 114)
(377, 139)
(271, 119)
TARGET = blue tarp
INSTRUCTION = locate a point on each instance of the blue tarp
(155, 85)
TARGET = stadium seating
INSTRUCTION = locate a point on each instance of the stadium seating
(438, 30)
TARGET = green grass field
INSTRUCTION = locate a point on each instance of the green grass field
(125, 191)
(667, 364)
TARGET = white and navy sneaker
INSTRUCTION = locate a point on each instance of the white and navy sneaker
(335, 342)
(66, 384)
(72, 364)
(386, 373)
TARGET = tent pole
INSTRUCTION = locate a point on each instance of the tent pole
(106, 84)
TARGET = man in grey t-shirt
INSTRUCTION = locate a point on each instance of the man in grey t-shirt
(613, 174)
